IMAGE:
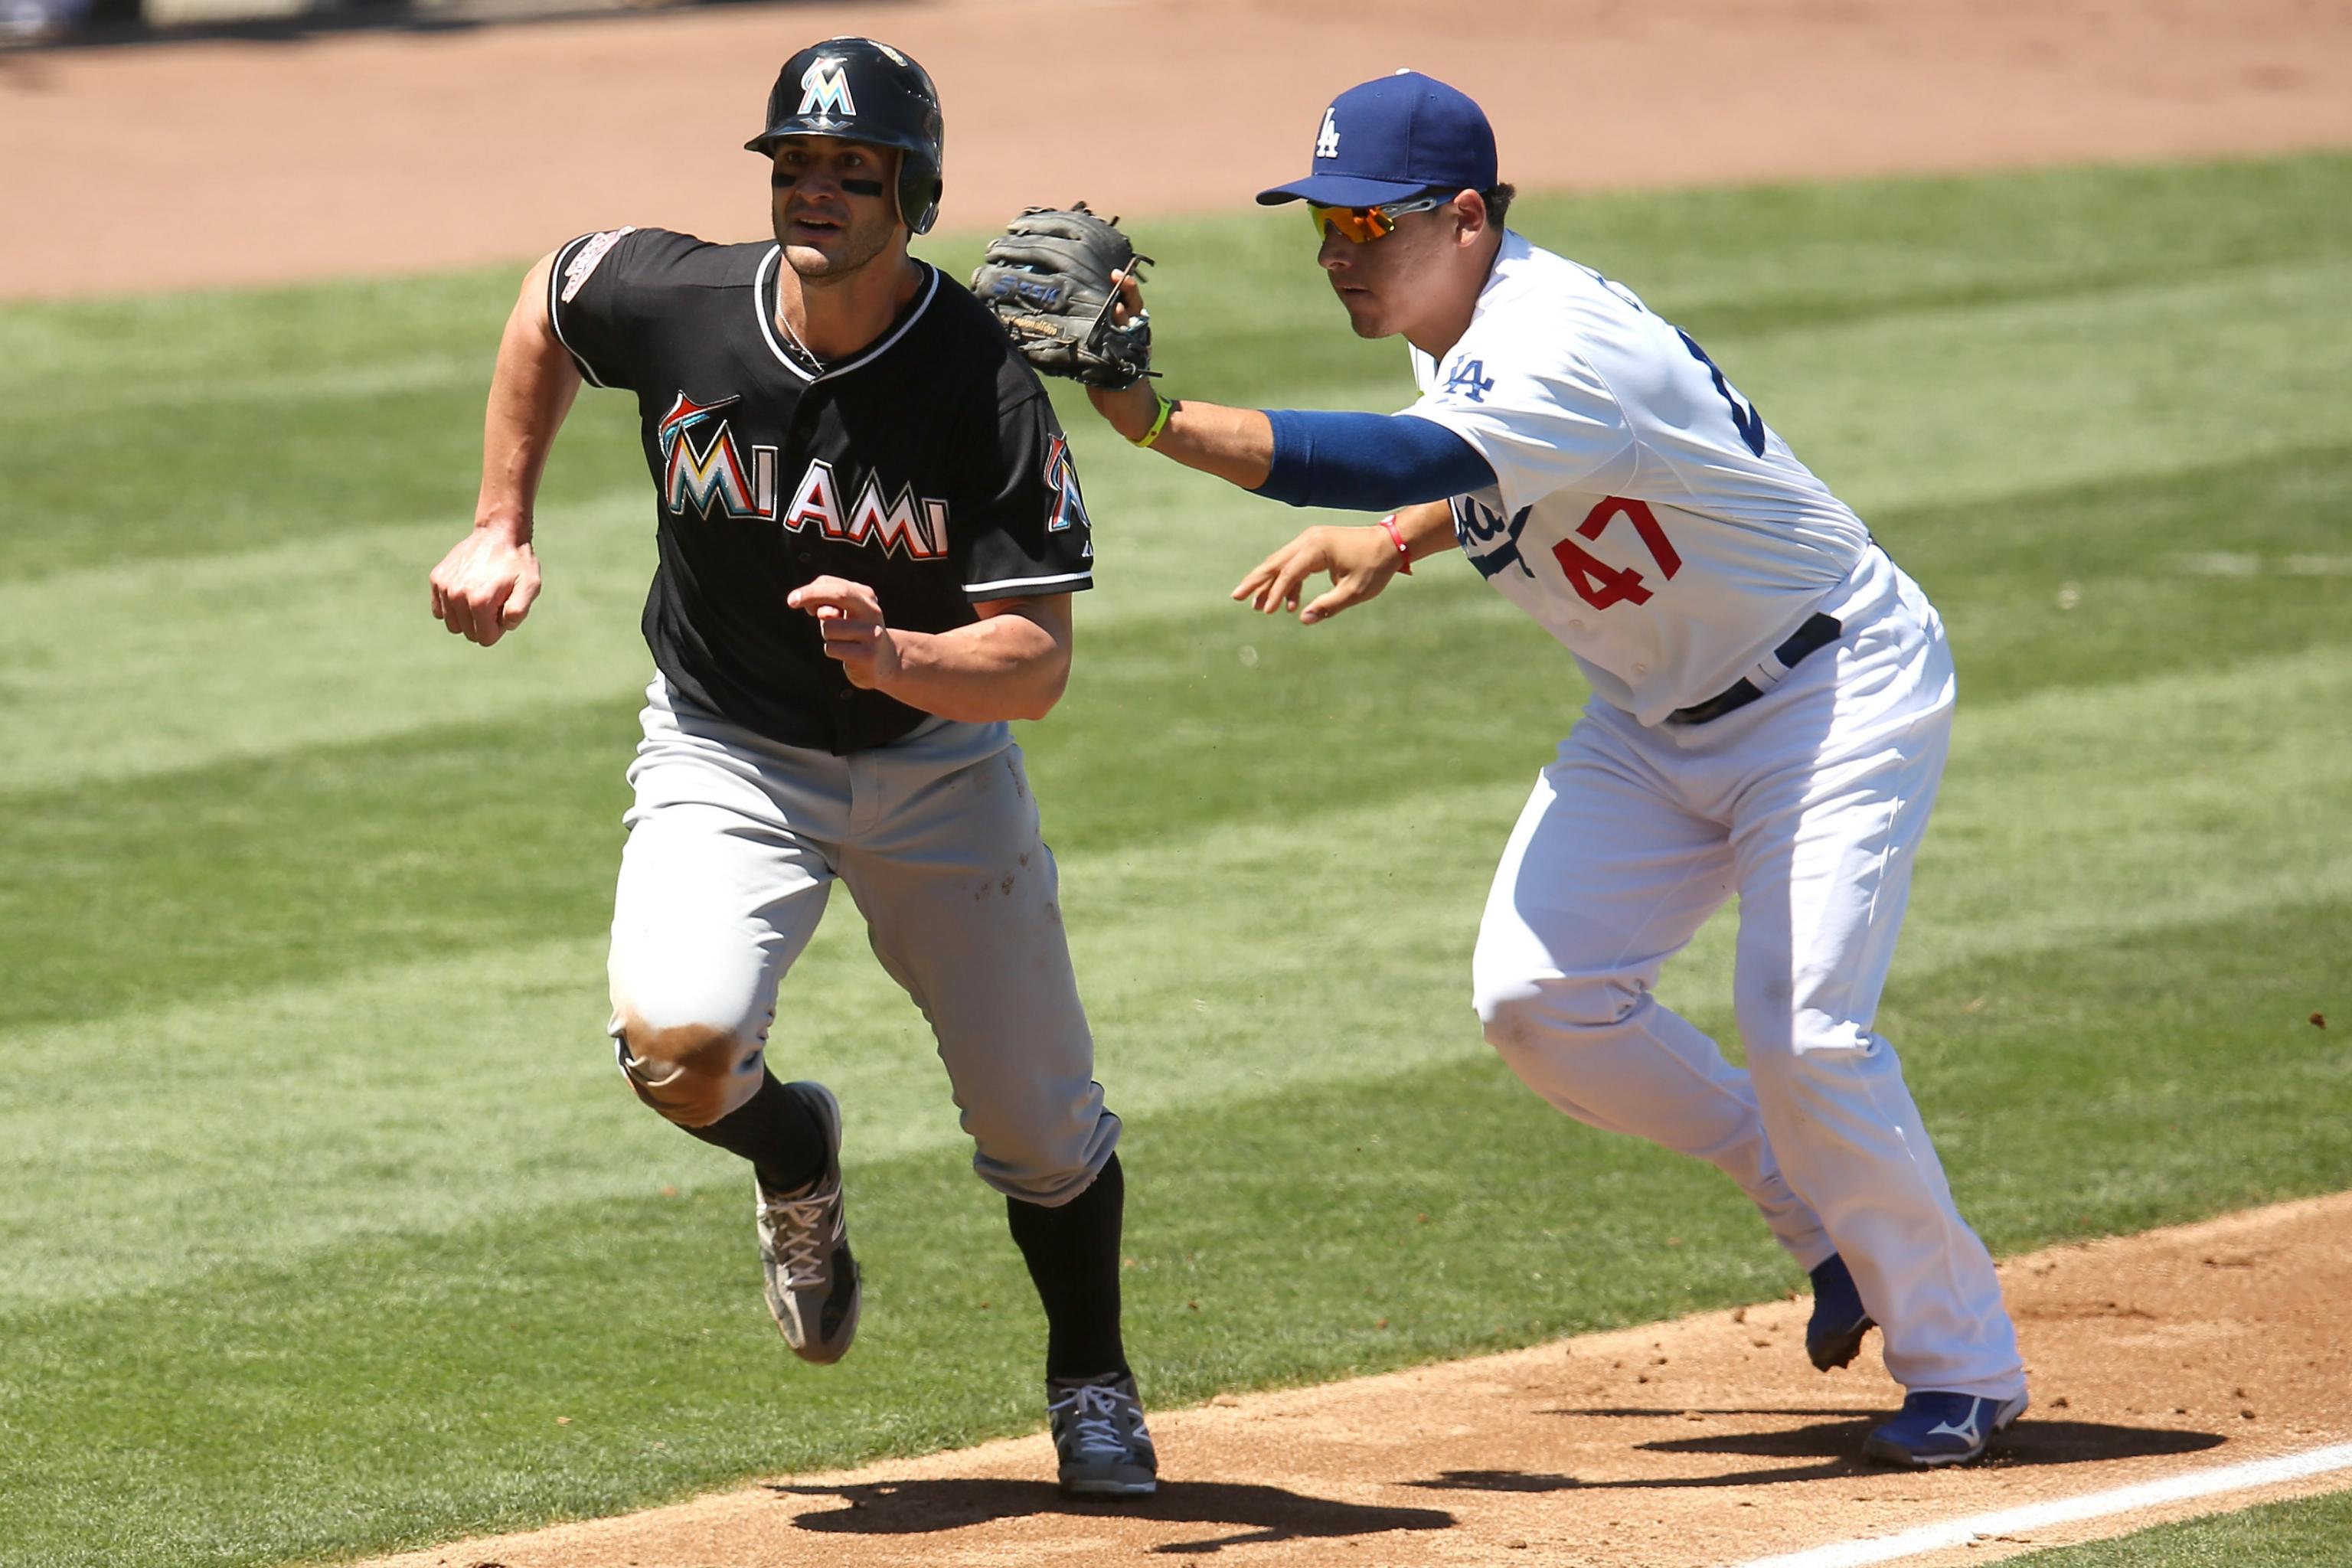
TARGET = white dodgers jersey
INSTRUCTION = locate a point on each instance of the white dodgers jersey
(1641, 510)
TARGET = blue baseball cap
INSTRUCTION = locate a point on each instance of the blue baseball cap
(1393, 137)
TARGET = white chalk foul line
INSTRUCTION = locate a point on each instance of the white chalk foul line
(2065, 1511)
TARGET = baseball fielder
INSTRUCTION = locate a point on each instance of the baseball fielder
(869, 530)
(1772, 699)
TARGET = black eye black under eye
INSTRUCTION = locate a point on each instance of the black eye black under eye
(780, 179)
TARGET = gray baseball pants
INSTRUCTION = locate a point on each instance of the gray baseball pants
(734, 844)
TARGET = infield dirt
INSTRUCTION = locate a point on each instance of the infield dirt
(1706, 1441)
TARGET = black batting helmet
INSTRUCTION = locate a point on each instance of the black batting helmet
(862, 90)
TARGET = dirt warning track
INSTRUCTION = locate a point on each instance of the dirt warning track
(142, 169)
(1705, 1442)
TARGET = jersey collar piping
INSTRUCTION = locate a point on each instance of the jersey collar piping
(767, 327)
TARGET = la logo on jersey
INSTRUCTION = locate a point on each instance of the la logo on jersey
(1471, 380)
(1326, 140)
(710, 475)
(1490, 540)
(825, 89)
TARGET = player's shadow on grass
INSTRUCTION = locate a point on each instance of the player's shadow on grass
(1829, 1450)
(1264, 1513)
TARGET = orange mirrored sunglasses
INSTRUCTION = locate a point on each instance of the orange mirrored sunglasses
(1364, 225)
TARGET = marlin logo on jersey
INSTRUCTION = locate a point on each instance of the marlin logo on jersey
(825, 89)
(1062, 484)
(905, 524)
(712, 473)
(1326, 140)
(1477, 529)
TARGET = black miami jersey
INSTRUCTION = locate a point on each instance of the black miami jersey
(929, 466)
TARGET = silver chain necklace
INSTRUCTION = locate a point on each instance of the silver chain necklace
(801, 351)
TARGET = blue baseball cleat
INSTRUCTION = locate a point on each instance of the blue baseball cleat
(1941, 1429)
(1834, 1337)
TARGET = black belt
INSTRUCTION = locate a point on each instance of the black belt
(1811, 637)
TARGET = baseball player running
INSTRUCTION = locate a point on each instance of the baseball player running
(1772, 699)
(870, 530)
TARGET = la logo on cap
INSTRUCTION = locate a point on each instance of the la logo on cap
(1405, 134)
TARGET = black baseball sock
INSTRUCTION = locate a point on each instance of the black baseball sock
(777, 1131)
(1073, 1255)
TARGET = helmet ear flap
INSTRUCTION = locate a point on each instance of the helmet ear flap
(920, 189)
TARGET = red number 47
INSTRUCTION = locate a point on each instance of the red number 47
(1596, 581)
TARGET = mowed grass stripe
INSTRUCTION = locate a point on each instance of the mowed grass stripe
(272, 459)
(149, 663)
(133, 668)
(397, 1389)
(2105, 582)
(182, 665)
(477, 832)
(1780, 256)
(2081, 1089)
(1287, 962)
(343, 404)
(2140, 381)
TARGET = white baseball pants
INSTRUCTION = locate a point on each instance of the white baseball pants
(735, 840)
(1809, 803)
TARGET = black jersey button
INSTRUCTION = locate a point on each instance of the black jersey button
(805, 555)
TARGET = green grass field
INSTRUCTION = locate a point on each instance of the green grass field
(2312, 1532)
(329, 1228)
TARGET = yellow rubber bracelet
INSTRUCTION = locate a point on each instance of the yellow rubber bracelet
(1167, 406)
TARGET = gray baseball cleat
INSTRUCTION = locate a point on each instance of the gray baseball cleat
(1098, 1431)
(811, 1279)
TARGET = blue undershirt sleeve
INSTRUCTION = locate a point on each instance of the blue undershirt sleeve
(1368, 462)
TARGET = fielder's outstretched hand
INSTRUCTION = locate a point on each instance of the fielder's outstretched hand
(1360, 560)
(485, 585)
(850, 617)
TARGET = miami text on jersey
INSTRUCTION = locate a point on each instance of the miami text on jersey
(913, 527)
(710, 475)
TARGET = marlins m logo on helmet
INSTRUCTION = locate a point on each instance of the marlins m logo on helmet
(824, 87)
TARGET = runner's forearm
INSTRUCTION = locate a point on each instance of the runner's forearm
(532, 390)
(1013, 664)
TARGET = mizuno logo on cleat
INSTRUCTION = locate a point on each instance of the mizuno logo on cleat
(1966, 1434)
